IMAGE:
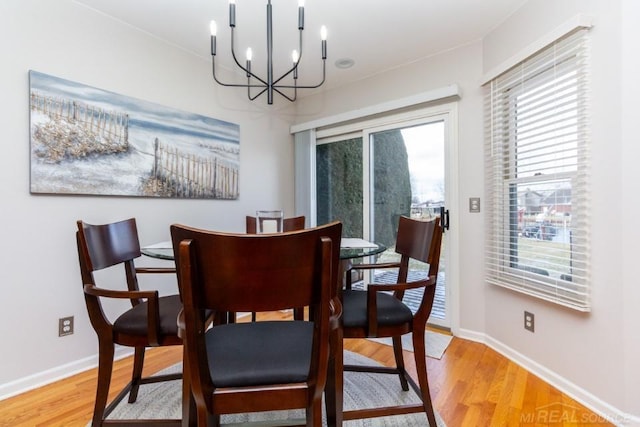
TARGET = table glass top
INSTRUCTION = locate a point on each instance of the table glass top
(349, 249)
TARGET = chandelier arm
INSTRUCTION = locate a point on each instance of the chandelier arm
(308, 87)
(295, 66)
(275, 83)
(252, 98)
(247, 71)
(221, 83)
(284, 94)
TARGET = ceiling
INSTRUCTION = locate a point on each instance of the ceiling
(377, 35)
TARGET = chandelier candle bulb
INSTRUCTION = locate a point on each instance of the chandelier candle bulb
(214, 29)
(323, 37)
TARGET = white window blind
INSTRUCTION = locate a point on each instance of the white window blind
(537, 171)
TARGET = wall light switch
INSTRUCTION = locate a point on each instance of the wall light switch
(474, 204)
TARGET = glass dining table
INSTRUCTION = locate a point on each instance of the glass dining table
(350, 248)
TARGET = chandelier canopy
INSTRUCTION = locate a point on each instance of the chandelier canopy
(269, 84)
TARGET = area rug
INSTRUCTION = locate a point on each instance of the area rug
(361, 390)
(436, 343)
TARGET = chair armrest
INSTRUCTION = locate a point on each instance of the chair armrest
(368, 267)
(110, 293)
(374, 266)
(393, 287)
(153, 307)
(155, 270)
(398, 289)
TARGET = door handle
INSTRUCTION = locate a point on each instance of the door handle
(444, 218)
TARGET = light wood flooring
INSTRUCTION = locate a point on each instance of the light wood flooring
(471, 385)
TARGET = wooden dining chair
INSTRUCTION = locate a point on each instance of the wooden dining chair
(257, 366)
(288, 224)
(378, 312)
(149, 321)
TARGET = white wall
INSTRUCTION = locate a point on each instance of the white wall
(38, 260)
(630, 153)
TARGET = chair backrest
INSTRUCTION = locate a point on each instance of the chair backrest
(254, 272)
(106, 245)
(288, 224)
(419, 240)
(102, 246)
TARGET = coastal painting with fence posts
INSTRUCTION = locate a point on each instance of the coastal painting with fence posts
(91, 141)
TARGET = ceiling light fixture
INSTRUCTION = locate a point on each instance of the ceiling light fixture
(269, 84)
(344, 63)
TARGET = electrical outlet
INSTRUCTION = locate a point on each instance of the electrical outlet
(65, 326)
(474, 204)
(529, 321)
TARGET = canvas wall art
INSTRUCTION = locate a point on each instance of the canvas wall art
(91, 141)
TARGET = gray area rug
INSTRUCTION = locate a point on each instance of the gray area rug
(436, 343)
(361, 390)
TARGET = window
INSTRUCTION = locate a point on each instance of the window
(537, 171)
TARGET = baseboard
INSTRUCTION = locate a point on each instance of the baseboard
(604, 410)
(49, 376)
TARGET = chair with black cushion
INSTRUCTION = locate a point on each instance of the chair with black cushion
(288, 224)
(379, 312)
(149, 321)
(257, 366)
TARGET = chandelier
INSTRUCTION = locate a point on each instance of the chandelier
(269, 84)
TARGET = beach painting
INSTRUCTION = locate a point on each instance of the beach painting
(91, 141)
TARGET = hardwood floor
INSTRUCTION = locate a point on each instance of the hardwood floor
(471, 385)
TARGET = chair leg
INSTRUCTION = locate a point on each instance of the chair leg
(136, 376)
(189, 410)
(314, 413)
(105, 368)
(208, 420)
(421, 369)
(335, 381)
(397, 351)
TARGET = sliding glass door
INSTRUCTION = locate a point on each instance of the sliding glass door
(368, 179)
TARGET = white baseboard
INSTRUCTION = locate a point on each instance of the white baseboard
(604, 410)
(55, 374)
